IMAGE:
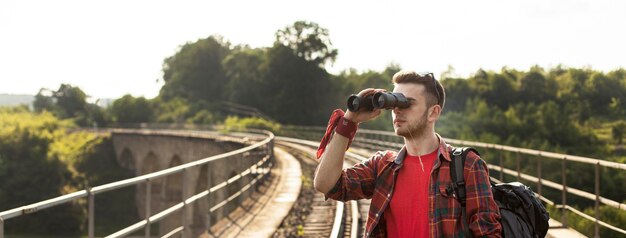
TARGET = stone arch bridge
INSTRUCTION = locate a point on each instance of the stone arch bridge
(145, 151)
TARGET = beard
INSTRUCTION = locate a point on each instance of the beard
(416, 129)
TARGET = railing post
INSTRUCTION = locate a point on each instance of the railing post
(185, 232)
(519, 173)
(147, 212)
(501, 167)
(596, 207)
(208, 198)
(539, 175)
(564, 192)
(91, 213)
(1, 227)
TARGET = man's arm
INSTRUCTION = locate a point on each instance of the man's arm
(330, 168)
(331, 164)
(482, 210)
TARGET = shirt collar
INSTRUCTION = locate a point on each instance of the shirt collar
(441, 152)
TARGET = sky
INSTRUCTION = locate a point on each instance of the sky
(112, 48)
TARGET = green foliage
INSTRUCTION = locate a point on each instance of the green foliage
(308, 41)
(174, 111)
(246, 69)
(202, 117)
(69, 102)
(30, 175)
(39, 160)
(195, 72)
(129, 109)
(617, 131)
(233, 123)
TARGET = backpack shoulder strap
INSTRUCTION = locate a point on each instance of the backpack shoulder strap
(457, 156)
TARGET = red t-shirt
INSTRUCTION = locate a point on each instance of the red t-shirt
(407, 213)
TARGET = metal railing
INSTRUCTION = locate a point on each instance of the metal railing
(377, 140)
(261, 169)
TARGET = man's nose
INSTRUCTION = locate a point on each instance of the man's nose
(396, 110)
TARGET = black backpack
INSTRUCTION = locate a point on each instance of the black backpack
(521, 213)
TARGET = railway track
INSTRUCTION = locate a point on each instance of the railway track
(329, 218)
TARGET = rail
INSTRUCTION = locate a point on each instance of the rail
(261, 169)
(376, 140)
(338, 222)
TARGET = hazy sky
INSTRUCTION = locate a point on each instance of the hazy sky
(111, 48)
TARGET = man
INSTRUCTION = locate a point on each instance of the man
(411, 189)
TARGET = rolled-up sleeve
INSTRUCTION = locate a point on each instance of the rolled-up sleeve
(483, 211)
(356, 182)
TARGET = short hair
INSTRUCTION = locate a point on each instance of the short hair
(436, 94)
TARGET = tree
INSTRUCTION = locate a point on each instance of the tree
(195, 72)
(129, 109)
(536, 88)
(309, 41)
(245, 69)
(43, 102)
(299, 86)
(71, 100)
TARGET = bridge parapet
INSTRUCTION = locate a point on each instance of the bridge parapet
(186, 179)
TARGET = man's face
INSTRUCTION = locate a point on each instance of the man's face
(411, 121)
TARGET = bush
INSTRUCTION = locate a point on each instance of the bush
(233, 123)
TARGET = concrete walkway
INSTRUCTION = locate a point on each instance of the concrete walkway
(282, 200)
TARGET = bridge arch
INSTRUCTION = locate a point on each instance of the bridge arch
(201, 207)
(127, 160)
(173, 185)
(150, 164)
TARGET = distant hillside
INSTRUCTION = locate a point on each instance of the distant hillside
(14, 100)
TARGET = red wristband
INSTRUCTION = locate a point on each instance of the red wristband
(346, 128)
(341, 126)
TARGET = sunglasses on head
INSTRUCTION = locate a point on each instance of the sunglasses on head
(431, 77)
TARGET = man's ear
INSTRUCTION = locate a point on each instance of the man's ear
(434, 112)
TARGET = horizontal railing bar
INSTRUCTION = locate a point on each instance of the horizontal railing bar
(247, 171)
(218, 206)
(223, 203)
(173, 232)
(31, 208)
(166, 212)
(128, 230)
(554, 185)
(582, 214)
(545, 154)
(234, 178)
(194, 198)
(163, 213)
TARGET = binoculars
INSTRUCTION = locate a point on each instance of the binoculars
(380, 100)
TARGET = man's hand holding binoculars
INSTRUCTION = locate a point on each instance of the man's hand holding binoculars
(360, 107)
(366, 105)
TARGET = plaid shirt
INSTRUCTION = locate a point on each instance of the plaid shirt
(375, 179)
